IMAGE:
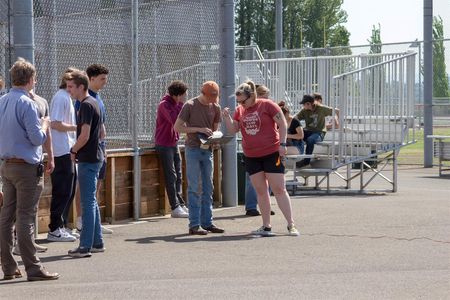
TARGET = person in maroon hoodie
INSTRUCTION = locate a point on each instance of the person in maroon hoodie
(166, 142)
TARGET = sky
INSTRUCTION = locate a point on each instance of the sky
(400, 20)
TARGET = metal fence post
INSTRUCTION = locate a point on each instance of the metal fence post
(227, 73)
(23, 30)
(134, 105)
(428, 82)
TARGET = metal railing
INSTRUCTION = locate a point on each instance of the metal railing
(376, 110)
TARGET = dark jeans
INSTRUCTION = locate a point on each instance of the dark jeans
(63, 190)
(311, 138)
(171, 163)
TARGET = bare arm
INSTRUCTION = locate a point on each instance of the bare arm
(63, 127)
(181, 127)
(49, 149)
(82, 139)
(298, 136)
(102, 132)
(231, 125)
(282, 126)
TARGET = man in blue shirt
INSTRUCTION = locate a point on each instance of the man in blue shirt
(22, 172)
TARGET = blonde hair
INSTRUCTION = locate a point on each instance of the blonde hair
(247, 88)
(63, 83)
(21, 72)
(262, 91)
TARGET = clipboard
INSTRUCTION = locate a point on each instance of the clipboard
(216, 138)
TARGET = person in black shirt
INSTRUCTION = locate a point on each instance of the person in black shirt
(294, 131)
(89, 156)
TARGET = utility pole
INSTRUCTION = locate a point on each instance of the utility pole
(279, 26)
(428, 82)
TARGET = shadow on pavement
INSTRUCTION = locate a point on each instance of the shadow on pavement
(186, 238)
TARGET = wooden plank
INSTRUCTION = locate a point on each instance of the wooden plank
(124, 195)
(110, 187)
(150, 177)
(149, 208)
(124, 211)
(123, 179)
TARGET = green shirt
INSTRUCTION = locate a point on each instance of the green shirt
(315, 119)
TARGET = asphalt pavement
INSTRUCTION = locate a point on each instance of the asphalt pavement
(376, 246)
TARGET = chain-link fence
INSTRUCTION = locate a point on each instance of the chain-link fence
(5, 42)
(172, 35)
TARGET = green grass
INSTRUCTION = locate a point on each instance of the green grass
(413, 154)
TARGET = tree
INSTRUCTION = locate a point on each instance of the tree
(375, 40)
(440, 77)
(312, 23)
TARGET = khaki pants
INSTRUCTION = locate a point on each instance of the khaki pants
(20, 203)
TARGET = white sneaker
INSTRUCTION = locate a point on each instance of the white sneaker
(106, 230)
(79, 223)
(185, 208)
(263, 231)
(179, 212)
(60, 235)
(293, 231)
(72, 232)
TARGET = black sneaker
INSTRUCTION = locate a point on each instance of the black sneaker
(80, 252)
(252, 212)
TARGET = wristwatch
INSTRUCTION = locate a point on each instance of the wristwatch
(283, 144)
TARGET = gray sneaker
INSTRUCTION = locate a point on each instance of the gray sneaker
(263, 231)
(80, 252)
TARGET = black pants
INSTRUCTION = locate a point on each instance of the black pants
(171, 163)
(63, 178)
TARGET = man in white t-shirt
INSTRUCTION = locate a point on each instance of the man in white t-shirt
(63, 124)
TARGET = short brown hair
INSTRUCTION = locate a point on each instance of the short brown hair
(69, 70)
(21, 72)
(78, 77)
(317, 96)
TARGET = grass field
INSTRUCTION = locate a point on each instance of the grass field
(413, 154)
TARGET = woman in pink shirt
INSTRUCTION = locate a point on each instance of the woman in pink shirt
(263, 129)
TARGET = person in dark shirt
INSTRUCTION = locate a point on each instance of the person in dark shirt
(88, 154)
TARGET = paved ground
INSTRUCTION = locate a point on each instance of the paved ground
(393, 246)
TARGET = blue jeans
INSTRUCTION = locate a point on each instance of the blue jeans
(199, 166)
(91, 235)
(311, 138)
(251, 199)
(300, 145)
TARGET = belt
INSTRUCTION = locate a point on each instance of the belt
(15, 160)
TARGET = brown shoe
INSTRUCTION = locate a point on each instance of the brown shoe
(196, 230)
(43, 275)
(214, 229)
(16, 274)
